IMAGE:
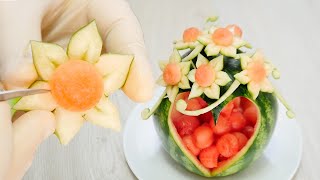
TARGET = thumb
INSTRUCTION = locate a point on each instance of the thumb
(20, 22)
(28, 133)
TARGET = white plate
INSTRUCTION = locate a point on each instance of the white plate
(149, 161)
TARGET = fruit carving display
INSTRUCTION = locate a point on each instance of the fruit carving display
(219, 108)
(80, 80)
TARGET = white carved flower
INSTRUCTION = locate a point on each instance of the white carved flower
(174, 75)
(255, 72)
(225, 41)
(208, 77)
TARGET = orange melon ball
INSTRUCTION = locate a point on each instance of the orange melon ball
(191, 34)
(77, 85)
(222, 37)
(205, 75)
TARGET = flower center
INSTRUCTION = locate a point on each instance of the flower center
(172, 74)
(256, 71)
(222, 37)
(205, 75)
(191, 34)
(236, 30)
(76, 85)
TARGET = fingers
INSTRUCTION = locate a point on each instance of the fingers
(122, 34)
(20, 22)
(5, 138)
(29, 131)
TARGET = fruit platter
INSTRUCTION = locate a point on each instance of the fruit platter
(219, 108)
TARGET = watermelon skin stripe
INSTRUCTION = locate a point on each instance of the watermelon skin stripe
(268, 108)
(168, 142)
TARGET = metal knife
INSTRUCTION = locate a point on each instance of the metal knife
(6, 95)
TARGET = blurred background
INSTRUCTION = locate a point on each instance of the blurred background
(288, 31)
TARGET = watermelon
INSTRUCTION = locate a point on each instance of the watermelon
(247, 147)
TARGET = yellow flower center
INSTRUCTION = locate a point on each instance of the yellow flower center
(205, 75)
(172, 74)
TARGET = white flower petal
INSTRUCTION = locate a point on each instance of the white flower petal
(212, 92)
(192, 75)
(266, 86)
(212, 50)
(205, 39)
(222, 78)
(185, 67)
(180, 45)
(172, 92)
(161, 82)
(163, 64)
(269, 68)
(196, 91)
(242, 77)
(229, 51)
(245, 60)
(238, 42)
(217, 63)
(201, 60)
(184, 83)
(254, 89)
(175, 57)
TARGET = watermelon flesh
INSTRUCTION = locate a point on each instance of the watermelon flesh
(214, 143)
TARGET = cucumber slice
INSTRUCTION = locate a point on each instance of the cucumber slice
(115, 69)
(67, 124)
(85, 44)
(105, 114)
(47, 57)
(43, 101)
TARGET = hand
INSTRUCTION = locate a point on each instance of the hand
(54, 21)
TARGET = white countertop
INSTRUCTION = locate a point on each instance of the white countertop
(288, 31)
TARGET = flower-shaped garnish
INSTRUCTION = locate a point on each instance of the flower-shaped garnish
(255, 73)
(208, 77)
(190, 41)
(174, 75)
(80, 82)
(223, 40)
(190, 37)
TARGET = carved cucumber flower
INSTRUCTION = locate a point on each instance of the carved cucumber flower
(208, 77)
(80, 81)
(255, 74)
(190, 41)
(225, 41)
(174, 75)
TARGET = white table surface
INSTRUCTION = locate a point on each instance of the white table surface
(287, 30)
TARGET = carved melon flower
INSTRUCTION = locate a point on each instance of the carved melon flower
(190, 41)
(174, 75)
(208, 77)
(223, 40)
(80, 81)
(255, 74)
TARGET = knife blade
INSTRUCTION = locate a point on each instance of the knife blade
(6, 95)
